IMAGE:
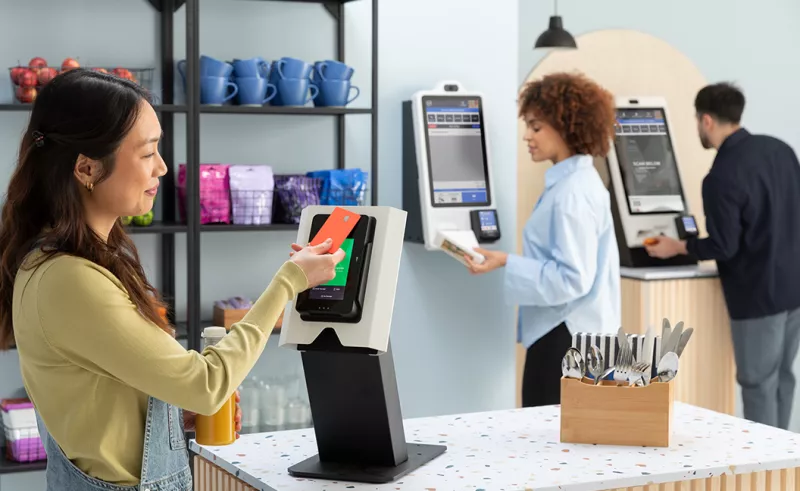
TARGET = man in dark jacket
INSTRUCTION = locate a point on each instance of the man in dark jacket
(751, 198)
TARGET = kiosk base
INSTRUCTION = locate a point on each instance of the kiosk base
(358, 423)
(418, 455)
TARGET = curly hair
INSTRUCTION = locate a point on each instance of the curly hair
(575, 106)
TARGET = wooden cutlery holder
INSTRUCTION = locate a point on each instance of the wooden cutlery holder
(608, 414)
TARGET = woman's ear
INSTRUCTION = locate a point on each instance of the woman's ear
(87, 170)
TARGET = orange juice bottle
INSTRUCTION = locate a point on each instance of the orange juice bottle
(219, 428)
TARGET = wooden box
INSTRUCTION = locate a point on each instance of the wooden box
(228, 317)
(608, 414)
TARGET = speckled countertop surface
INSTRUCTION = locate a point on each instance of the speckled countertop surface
(518, 450)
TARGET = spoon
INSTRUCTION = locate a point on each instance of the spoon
(594, 363)
(667, 367)
(572, 365)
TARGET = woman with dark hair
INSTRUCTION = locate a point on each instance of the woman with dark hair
(567, 278)
(102, 367)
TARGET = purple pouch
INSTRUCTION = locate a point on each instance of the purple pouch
(215, 198)
(294, 193)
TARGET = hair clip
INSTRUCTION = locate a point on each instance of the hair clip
(38, 138)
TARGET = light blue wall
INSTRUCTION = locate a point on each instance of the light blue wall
(452, 336)
(753, 44)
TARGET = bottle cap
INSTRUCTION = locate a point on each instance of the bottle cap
(214, 332)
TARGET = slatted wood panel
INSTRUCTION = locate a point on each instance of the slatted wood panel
(209, 477)
(707, 371)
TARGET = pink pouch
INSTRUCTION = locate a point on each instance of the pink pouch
(215, 196)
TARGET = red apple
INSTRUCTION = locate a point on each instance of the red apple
(16, 72)
(27, 79)
(101, 70)
(46, 74)
(26, 95)
(123, 73)
(69, 64)
(37, 63)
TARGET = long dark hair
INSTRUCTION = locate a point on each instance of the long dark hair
(80, 112)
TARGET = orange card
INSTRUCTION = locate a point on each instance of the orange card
(337, 227)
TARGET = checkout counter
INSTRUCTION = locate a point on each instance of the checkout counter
(648, 200)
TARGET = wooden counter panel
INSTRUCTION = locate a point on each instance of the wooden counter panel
(707, 372)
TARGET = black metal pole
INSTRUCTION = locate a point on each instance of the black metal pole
(167, 198)
(340, 55)
(192, 171)
(374, 103)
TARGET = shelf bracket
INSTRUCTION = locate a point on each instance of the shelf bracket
(159, 5)
(332, 8)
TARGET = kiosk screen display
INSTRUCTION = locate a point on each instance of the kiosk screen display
(458, 168)
(647, 162)
(334, 289)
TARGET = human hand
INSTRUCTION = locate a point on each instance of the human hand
(492, 261)
(316, 263)
(237, 417)
(664, 247)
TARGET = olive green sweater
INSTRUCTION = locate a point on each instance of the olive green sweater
(89, 360)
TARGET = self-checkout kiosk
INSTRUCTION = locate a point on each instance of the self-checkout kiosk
(342, 330)
(448, 190)
(647, 194)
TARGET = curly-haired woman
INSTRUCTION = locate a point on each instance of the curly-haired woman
(567, 278)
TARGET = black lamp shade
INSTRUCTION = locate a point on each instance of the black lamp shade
(555, 36)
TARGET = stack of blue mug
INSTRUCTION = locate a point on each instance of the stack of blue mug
(216, 87)
(292, 78)
(251, 77)
(332, 78)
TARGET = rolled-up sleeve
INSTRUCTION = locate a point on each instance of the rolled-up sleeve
(569, 271)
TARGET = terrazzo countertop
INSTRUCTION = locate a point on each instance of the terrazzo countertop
(670, 273)
(519, 450)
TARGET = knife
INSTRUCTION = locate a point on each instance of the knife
(647, 352)
(675, 337)
(684, 341)
(665, 332)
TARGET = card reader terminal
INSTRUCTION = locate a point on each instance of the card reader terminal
(485, 225)
(341, 300)
(686, 226)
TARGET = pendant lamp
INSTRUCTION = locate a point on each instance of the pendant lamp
(555, 36)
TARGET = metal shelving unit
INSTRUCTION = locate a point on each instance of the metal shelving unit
(169, 225)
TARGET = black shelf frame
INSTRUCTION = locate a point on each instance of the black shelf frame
(169, 225)
(194, 111)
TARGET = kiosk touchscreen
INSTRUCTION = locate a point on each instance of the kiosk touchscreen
(342, 298)
(447, 174)
(646, 187)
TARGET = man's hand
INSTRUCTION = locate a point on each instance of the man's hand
(664, 247)
(494, 260)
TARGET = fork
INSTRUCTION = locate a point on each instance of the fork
(622, 367)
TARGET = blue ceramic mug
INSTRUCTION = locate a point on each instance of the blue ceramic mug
(254, 67)
(255, 91)
(335, 93)
(217, 90)
(209, 67)
(333, 70)
(292, 68)
(295, 91)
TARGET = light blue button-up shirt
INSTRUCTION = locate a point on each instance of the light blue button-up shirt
(569, 270)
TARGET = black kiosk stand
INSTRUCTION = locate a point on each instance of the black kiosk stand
(352, 387)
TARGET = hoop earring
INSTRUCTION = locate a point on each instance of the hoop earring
(90, 186)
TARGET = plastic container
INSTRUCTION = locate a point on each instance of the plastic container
(23, 443)
(219, 428)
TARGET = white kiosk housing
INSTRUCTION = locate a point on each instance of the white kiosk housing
(646, 188)
(342, 330)
(448, 189)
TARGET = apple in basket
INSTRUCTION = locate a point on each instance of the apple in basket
(37, 62)
(124, 73)
(46, 74)
(17, 72)
(101, 70)
(26, 95)
(69, 64)
(27, 79)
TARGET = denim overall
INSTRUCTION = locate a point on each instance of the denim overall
(165, 461)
